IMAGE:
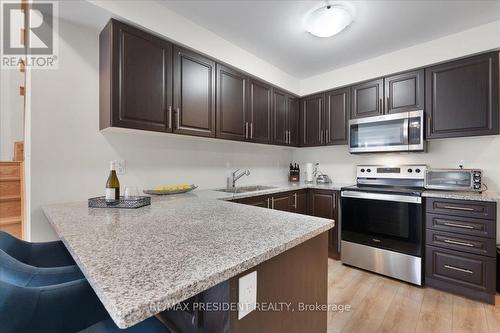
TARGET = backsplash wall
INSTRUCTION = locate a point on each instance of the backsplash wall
(474, 152)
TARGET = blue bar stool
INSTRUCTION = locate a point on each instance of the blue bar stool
(46, 254)
(62, 308)
(22, 275)
(66, 307)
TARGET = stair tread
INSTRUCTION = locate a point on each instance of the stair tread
(10, 197)
(10, 220)
(9, 179)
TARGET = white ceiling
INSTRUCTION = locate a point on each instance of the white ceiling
(272, 30)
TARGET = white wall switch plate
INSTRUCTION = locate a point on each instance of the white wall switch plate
(247, 294)
(120, 167)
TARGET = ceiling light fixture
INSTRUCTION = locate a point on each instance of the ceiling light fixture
(328, 20)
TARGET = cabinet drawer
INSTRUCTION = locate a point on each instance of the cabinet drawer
(459, 242)
(461, 269)
(466, 208)
(461, 225)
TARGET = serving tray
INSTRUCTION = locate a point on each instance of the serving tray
(132, 202)
(166, 192)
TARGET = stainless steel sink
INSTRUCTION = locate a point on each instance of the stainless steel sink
(244, 189)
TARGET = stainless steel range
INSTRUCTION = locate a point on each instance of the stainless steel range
(382, 221)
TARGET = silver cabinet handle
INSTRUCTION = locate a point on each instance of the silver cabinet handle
(246, 130)
(458, 225)
(449, 241)
(468, 271)
(267, 202)
(459, 208)
(289, 137)
(177, 113)
(170, 117)
(327, 136)
(272, 203)
(295, 199)
(380, 106)
(251, 130)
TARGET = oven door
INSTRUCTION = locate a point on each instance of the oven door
(386, 221)
(395, 132)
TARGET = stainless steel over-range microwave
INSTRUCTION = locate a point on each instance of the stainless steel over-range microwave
(454, 179)
(389, 133)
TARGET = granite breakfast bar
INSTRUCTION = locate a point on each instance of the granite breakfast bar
(141, 262)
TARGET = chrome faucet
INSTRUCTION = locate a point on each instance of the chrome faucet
(231, 181)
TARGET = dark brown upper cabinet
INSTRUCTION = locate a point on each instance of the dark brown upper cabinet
(280, 123)
(404, 92)
(285, 118)
(135, 79)
(232, 92)
(194, 94)
(260, 112)
(311, 120)
(462, 97)
(293, 121)
(337, 106)
(392, 94)
(367, 99)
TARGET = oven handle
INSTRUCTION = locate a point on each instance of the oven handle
(377, 196)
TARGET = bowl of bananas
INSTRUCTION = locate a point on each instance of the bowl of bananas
(175, 189)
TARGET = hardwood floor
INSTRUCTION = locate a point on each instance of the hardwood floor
(381, 304)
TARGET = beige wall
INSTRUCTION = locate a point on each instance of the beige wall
(70, 157)
(476, 40)
(11, 112)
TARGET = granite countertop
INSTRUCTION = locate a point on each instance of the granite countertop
(484, 196)
(276, 188)
(141, 261)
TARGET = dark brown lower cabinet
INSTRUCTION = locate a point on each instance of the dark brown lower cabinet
(320, 203)
(460, 254)
(324, 203)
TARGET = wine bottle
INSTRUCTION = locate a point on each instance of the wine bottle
(112, 185)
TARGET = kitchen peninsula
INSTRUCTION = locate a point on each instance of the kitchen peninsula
(141, 262)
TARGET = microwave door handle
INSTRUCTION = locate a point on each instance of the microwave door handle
(406, 124)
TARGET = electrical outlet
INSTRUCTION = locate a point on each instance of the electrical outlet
(247, 294)
(120, 167)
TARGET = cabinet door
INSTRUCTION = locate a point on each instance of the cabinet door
(337, 107)
(404, 92)
(260, 201)
(293, 121)
(281, 201)
(194, 94)
(260, 112)
(312, 120)
(298, 202)
(142, 79)
(323, 203)
(280, 126)
(367, 99)
(232, 92)
(462, 97)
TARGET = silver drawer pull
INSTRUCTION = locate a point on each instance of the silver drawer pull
(459, 208)
(449, 241)
(458, 225)
(468, 271)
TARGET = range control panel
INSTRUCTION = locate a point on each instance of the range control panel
(412, 171)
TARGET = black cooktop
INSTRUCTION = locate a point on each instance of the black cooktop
(412, 191)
